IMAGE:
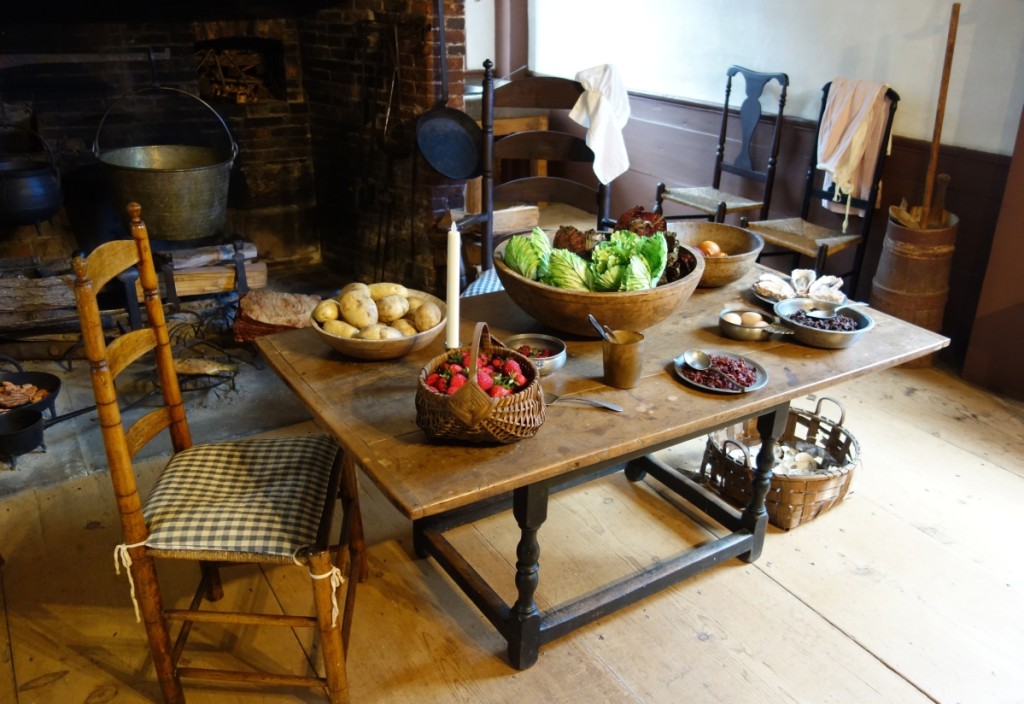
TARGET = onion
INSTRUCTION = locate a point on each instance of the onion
(709, 248)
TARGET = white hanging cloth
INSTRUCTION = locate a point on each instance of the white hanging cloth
(852, 128)
(604, 110)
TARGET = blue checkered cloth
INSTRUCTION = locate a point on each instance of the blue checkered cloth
(487, 282)
(250, 497)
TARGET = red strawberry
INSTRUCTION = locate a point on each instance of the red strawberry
(512, 368)
(499, 391)
(520, 380)
(431, 380)
(484, 380)
(442, 385)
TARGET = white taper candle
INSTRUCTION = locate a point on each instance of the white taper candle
(454, 260)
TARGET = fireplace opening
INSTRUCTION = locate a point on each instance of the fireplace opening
(244, 70)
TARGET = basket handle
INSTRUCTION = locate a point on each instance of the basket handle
(743, 448)
(842, 410)
(96, 139)
(480, 334)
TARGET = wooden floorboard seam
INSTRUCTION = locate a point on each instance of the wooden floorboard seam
(846, 634)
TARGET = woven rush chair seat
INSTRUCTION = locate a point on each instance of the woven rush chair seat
(254, 501)
(803, 237)
(708, 199)
(228, 501)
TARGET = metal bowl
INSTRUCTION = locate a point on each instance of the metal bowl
(828, 339)
(386, 349)
(738, 331)
(545, 365)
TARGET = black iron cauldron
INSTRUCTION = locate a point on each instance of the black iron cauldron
(30, 189)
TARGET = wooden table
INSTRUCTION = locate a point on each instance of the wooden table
(370, 408)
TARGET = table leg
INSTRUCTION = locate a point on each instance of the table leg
(755, 517)
(530, 508)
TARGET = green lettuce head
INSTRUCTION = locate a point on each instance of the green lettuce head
(568, 270)
(528, 254)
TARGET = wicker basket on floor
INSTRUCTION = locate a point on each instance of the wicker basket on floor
(470, 414)
(792, 499)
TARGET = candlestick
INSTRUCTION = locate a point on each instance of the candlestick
(454, 259)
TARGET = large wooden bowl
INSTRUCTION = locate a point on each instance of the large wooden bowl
(387, 349)
(623, 310)
(741, 248)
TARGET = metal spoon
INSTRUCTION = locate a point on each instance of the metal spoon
(825, 315)
(701, 361)
(550, 398)
(606, 334)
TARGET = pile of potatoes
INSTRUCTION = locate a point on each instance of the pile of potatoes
(378, 311)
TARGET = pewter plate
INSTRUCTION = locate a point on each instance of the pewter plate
(760, 375)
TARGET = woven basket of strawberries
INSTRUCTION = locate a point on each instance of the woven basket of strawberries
(486, 393)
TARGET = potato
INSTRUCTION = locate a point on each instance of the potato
(358, 309)
(414, 303)
(379, 331)
(392, 307)
(354, 286)
(426, 316)
(384, 288)
(326, 310)
(339, 328)
(405, 326)
(370, 332)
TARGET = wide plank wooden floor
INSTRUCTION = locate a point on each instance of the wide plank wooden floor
(910, 591)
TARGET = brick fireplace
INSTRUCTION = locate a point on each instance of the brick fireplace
(305, 88)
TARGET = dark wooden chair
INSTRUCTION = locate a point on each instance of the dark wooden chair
(262, 501)
(711, 202)
(562, 151)
(799, 237)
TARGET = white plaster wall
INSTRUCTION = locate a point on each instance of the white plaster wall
(479, 33)
(681, 48)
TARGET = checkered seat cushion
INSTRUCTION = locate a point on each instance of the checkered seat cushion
(487, 282)
(251, 497)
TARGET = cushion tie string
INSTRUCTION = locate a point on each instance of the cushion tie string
(337, 579)
(121, 557)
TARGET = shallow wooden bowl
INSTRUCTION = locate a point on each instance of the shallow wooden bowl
(387, 349)
(567, 310)
(741, 248)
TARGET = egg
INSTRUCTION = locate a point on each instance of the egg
(805, 461)
(733, 318)
(751, 318)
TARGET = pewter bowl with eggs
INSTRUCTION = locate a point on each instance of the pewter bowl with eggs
(748, 324)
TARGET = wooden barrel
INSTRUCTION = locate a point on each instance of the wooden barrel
(912, 280)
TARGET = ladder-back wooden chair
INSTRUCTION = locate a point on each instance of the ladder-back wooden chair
(800, 237)
(711, 202)
(561, 150)
(263, 501)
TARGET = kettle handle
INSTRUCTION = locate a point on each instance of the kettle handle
(96, 139)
